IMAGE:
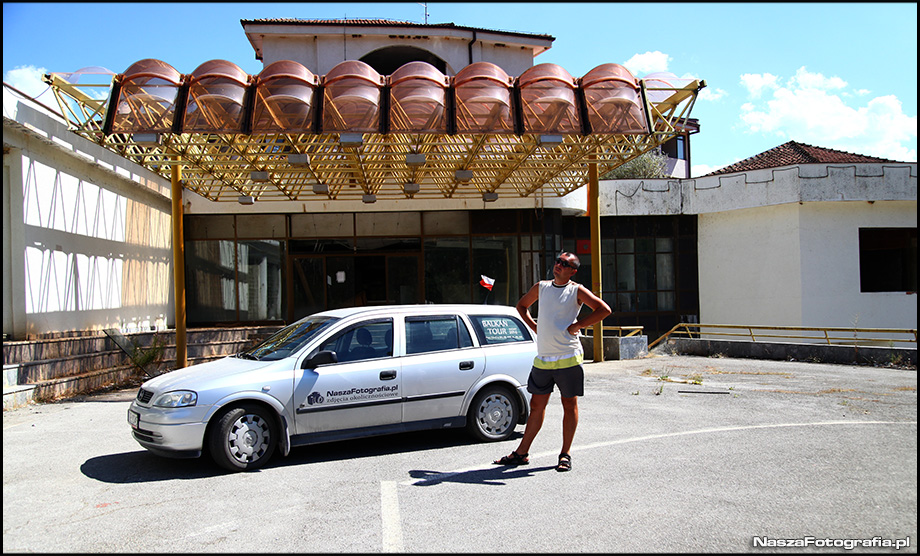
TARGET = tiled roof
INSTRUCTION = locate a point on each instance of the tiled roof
(792, 153)
(387, 22)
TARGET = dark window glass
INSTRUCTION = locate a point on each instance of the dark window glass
(447, 270)
(888, 259)
(499, 329)
(425, 334)
(368, 340)
(318, 246)
(308, 286)
(260, 280)
(210, 281)
(493, 222)
(497, 258)
(389, 244)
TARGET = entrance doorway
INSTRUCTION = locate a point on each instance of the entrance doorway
(321, 282)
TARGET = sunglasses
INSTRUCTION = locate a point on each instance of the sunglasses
(562, 262)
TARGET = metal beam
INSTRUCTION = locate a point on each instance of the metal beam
(596, 263)
(178, 240)
(217, 165)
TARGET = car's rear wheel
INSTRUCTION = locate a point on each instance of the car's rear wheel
(493, 414)
(243, 438)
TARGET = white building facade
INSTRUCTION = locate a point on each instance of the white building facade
(783, 246)
(87, 241)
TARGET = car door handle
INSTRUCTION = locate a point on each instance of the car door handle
(466, 365)
(387, 375)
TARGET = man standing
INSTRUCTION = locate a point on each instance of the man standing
(559, 353)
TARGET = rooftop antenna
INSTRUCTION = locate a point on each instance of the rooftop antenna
(424, 5)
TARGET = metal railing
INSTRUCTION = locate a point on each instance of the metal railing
(822, 335)
(632, 330)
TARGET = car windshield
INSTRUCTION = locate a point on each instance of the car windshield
(287, 340)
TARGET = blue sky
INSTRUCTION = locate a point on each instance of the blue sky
(836, 75)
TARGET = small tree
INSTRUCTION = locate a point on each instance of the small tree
(650, 164)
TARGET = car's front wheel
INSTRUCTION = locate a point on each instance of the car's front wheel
(493, 414)
(243, 438)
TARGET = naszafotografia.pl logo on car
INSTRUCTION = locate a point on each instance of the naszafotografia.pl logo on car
(353, 394)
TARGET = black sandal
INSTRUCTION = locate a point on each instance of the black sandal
(513, 459)
(565, 463)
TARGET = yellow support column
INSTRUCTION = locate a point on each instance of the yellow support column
(179, 264)
(595, 216)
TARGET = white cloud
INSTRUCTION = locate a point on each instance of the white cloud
(757, 83)
(643, 64)
(712, 95)
(805, 80)
(817, 110)
(27, 79)
(697, 170)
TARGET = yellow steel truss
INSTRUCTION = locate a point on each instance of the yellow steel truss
(218, 166)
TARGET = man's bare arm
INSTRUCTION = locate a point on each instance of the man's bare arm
(599, 310)
(523, 305)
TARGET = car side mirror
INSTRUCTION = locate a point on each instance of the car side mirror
(324, 357)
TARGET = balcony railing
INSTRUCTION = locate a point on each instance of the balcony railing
(844, 336)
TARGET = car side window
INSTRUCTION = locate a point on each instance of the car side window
(499, 329)
(368, 340)
(436, 333)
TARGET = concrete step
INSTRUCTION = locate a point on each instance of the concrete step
(18, 396)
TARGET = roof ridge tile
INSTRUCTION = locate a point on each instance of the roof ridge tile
(793, 152)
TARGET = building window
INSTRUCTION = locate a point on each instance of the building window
(649, 273)
(259, 276)
(676, 148)
(228, 281)
(888, 259)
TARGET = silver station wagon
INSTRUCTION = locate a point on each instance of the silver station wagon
(342, 374)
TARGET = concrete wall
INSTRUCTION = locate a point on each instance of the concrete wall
(750, 266)
(829, 240)
(87, 235)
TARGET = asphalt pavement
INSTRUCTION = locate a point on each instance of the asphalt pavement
(672, 454)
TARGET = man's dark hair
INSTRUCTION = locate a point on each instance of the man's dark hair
(574, 260)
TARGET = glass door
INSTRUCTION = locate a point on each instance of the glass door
(323, 282)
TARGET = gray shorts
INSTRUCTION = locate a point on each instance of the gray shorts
(570, 380)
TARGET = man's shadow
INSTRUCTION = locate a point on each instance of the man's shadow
(495, 476)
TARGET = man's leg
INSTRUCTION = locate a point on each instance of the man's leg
(569, 422)
(534, 421)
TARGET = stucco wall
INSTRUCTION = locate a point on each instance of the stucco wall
(830, 265)
(798, 265)
(750, 266)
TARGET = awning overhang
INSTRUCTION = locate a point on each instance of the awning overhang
(288, 135)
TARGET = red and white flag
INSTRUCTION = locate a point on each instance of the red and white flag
(487, 282)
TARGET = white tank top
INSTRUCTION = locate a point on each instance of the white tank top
(558, 308)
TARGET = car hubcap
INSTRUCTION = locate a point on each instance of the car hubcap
(248, 439)
(495, 414)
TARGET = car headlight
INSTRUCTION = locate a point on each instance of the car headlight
(179, 398)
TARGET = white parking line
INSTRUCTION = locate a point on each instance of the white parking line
(553, 454)
(389, 514)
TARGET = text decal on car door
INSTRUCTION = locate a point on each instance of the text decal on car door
(354, 395)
